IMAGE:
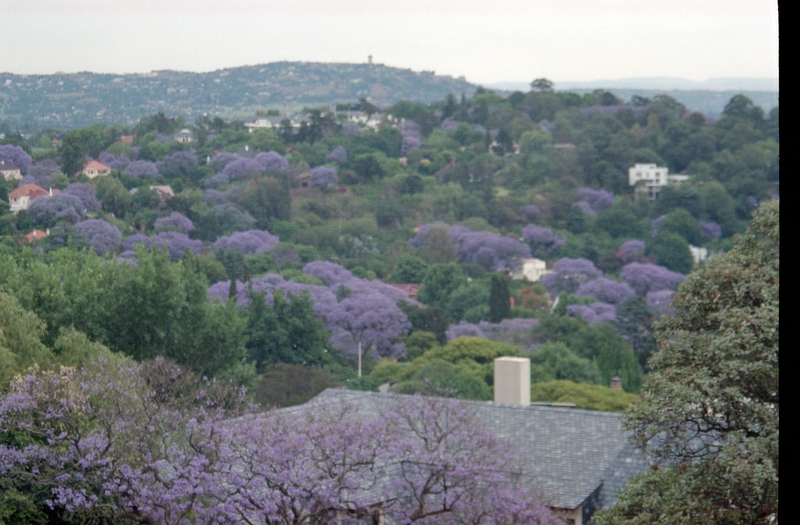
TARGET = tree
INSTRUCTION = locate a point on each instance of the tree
(439, 283)
(542, 85)
(709, 412)
(499, 299)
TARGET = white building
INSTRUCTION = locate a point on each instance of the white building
(10, 172)
(530, 269)
(654, 178)
(698, 254)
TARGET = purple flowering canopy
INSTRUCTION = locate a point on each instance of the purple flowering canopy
(46, 211)
(41, 174)
(338, 155)
(710, 230)
(134, 240)
(85, 192)
(375, 321)
(661, 301)
(605, 290)
(242, 169)
(214, 197)
(586, 208)
(644, 278)
(103, 236)
(218, 162)
(114, 162)
(542, 240)
(594, 313)
(329, 273)
(142, 169)
(177, 243)
(493, 252)
(569, 274)
(271, 161)
(463, 329)
(215, 181)
(323, 177)
(16, 156)
(350, 129)
(250, 242)
(598, 199)
(449, 125)
(179, 164)
(176, 221)
(630, 251)
(531, 212)
(655, 225)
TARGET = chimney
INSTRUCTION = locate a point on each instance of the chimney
(512, 380)
(616, 382)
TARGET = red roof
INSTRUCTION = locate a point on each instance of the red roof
(35, 235)
(410, 289)
(30, 190)
(94, 165)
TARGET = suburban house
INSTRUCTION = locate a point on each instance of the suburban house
(575, 459)
(653, 178)
(95, 169)
(9, 171)
(21, 198)
(184, 136)
(531, 269)
(164, 192)
(275, 122)
(36, 235)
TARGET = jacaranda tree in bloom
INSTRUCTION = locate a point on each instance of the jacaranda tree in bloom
(148, 443)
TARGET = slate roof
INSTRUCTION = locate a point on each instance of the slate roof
(565, 454)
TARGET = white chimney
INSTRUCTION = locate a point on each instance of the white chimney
(512, 380)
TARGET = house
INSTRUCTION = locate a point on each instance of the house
(184, 136)
(271, 122)
(699, 254)
(21, 198)
(531, 269)
(36, 235)
(164, 192)
(575, 459)
(10, 171)
(95, 169)
(653, 178)
(410, 289)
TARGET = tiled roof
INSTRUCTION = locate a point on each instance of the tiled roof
(30, 190)
(95, 165)
(566, 454)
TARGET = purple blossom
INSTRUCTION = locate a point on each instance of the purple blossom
(409, 130)
(133, 240)
(531, 212)
(232, 218)
(45, 211)
(375, 321)
(350, 129)
(463, 329)
(598, 199)
(179, 164)
(655, 225)
(338, 155)
(177, 244)
(242, 169)
(710, 230)
(478, 127)
(15, 156)
(117, 163)
(586, 208)
(41, 173)
(135, 151)
(493, 252)
(569, 274)
(645, 278)
(214, 197)
(142, 169)
(215, 181)
(605, 290)
(271, 161)
(251, 242)
(175, 220)
(449, 125)
(542, 240)
(103, 236)
(630, 251)
(323, 177)
(223, 159)
(594, 313)
(85, 192)
(661, 301)
(329, 273)
(409, 143)
(162, 139)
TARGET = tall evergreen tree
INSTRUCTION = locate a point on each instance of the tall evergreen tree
(499, 299)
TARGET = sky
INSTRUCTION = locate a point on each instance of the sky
(485, 42)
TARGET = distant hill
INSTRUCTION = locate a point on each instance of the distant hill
(79, 99)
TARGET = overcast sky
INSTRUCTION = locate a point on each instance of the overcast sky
(500, 40)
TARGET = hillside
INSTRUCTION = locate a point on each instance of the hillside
(79, 99)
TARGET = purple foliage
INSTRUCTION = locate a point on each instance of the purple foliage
(586, 208)
(179, 164)
(232, 218)
(478, 127)
(594, 313)
(46, 211)
(493, 252)
(542, 240)
(214, 197)
(630, 251)
(16, 156)
(338, 155)
(351, 130)
(409, 130)
(177, 243)
(531, 212)
(710, 230)
(175, 220)
(661, 301)
(115, 163)
(163, 139)
(645, 278)
(374, 320)
(135, 151)
(598, 199)
(242, 169)
(329, 273)
(251, 242)
(215, 181)
(655, 225)
(605, 290)
(271, 161)
(323, 177)
(142, 169)
(133, 240)
(463, 329)
(85, 192)
(223, 159)
(449, 125)
(569, 274)
(103, 236)
(41, 173)
(751, 202)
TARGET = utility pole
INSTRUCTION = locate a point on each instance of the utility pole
(359, 359)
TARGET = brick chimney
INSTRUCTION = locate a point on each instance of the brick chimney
(616, 382)
(512, 380)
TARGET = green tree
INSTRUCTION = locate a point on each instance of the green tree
(439, 283)
(682, 223)
(542, 85)
(709, 409)
(499, 299)
(671, 250)
(586, 396)
(409, 269)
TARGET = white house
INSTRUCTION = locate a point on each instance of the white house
(531, 269)
(185, 136)
(10, 172)
(698, 254)
(95, 169)
(654, 178)
(20, 198)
